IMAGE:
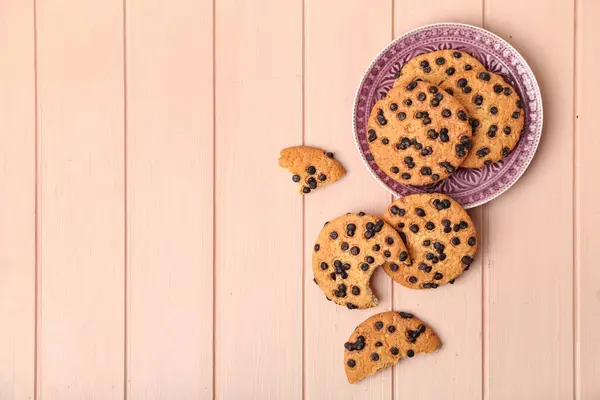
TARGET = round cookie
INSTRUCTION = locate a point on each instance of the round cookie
(418, 134)
(437, 66)
(312, 167)
(495, 113)
(346, 253)
(382, 340)
(440, 238)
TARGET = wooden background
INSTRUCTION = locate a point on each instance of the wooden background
(151, 248)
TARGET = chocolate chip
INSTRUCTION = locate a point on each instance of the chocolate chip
(429, 256)
(468, 67)
(403, 256)
(378, 226)
(408, 102)
(457, 54)
(370, 226)
(305, 189)
(403, 237)
(378, 344)
(433, 89)
(450, 71)
(351, 363)
(387, 254)
(406, 175)
(394, 267)
(375, 357)
(462, 115)
(317, 247)
(410, 353)
(411, 86)
(401, 116)
(364, 266)
(430, 285)
(421, 96)
(467, 89)
(498, 88)
(378, 325)
(449, 91)
(487, 162)
(355, 290)
(389, 240)
(405, 315)
(376, 247)
(507, 91)
(369, 234)
(395, 170)
(322, 177)
(482, 152)
(455, 241)
(369, 259)
(484, 76)
(419, 115)
(312, 183)
(311, 170)
(296, 178)
(516, 115)
(425, 171)
(427, 70)
(381, 119)
(414, 228)
(355, 251)
(492, 131)
(446, 113)
(394, 351)
(467, 260)
(393, 106)
(420, 212)
(444, 135)
(471, 241)
(391, 329)
(350, 306)
(505, 151)
(462, 82)
(507, 130)
(519, 104)
(478, 100)
(329, 154)
(432, 134)
(385, 141)
(430, 226)
(345, 246)
(412, 279)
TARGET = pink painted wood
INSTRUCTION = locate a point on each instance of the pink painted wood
(151, 248)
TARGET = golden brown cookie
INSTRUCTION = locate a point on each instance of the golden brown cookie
(437, 66)
(440, 238)
(418, 134)
(346, 253)
(382, 340)
(312, 167)
(495, 114)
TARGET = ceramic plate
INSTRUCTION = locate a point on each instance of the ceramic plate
(471, 187)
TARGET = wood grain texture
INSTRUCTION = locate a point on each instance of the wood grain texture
(587, 220)
(81, 203)
(258, 266)
(334, 66)
(17, 202)
(530, 251)
(170, 199)
(454, 311)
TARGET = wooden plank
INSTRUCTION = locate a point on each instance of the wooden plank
(454, 311)
(339, 46)
(258, 274)
(170, 198)
(530, 241)
(81, 203)
(587, 214)
(17, 203)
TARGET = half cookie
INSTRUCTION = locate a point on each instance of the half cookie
(418, 134)
(440, 238)
(312, 167)
(346, 253)
(437, 66)
(382, 340)
(495, 114)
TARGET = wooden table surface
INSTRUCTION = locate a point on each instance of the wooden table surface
(151, 247)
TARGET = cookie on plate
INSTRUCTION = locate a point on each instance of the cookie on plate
(346, 253)
(382, 340)
(440, 238)
(437, 66)
(495, 114)
(418, 134)
(311, 167)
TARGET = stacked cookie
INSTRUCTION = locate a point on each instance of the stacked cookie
(445, 111)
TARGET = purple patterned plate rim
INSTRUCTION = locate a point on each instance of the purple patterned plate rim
(501, 58)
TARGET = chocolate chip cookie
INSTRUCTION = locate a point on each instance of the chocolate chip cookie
(440, 238)
(418, 134)
(382, 340)
(495, 114)
(437, 66)
(346, 253)
(311, 167)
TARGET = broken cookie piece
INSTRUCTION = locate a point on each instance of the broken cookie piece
(311, 167)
